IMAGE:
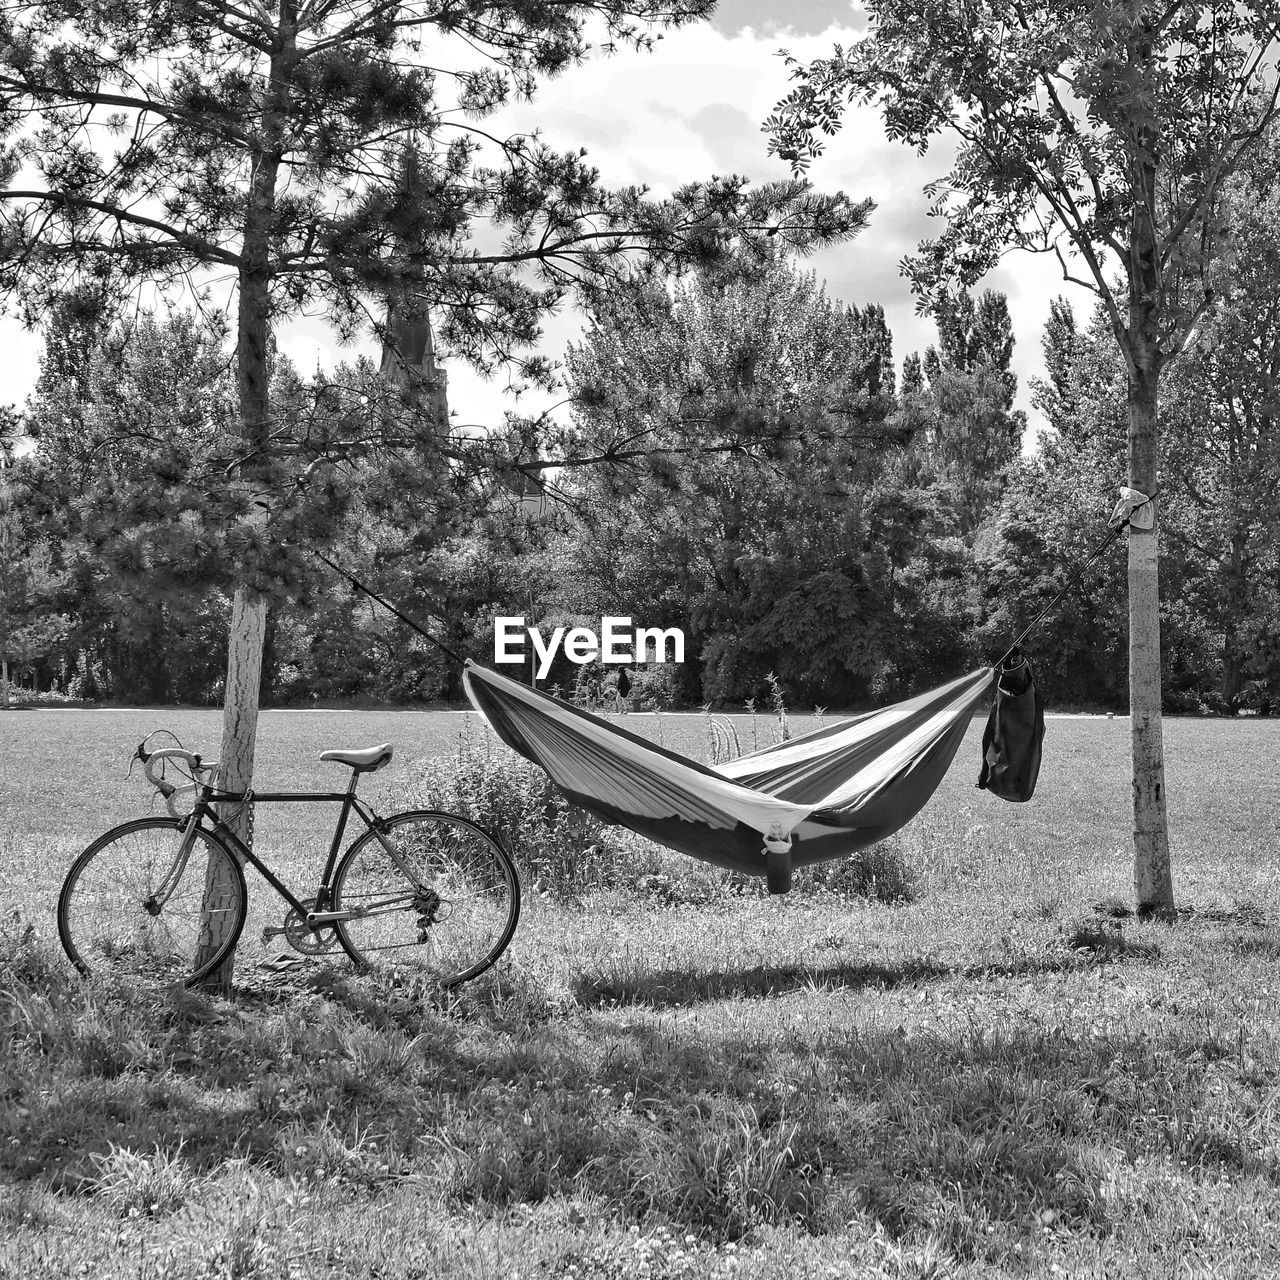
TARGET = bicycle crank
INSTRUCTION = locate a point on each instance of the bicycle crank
(300, 936)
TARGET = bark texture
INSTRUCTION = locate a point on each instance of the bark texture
(1152, 873)
(239, 736)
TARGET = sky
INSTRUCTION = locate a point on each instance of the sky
(690, 109)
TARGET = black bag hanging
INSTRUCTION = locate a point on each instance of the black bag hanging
(1015, 730)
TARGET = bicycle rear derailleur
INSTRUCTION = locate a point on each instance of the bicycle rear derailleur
(427, 904)
(311, 942)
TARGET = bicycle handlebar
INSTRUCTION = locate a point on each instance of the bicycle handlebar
(151, 759)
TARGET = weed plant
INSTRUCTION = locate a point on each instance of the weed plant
(779, 703)
(556, 846)
(880, 873)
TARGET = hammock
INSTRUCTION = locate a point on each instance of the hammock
(824, 795)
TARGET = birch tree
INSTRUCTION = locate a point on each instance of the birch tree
(324, 156)
(1101, 131)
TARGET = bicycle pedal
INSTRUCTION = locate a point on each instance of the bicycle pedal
(272, 931)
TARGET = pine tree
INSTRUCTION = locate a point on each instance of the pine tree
(752, 412)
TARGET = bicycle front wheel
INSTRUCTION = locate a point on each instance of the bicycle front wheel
(429, 894)
(112, 920)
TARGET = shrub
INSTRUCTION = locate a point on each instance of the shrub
(19, 697)
(558, 846)
(653, 688)
(881, 873)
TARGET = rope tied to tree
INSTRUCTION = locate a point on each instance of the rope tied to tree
(386, 604)
(1134, 508)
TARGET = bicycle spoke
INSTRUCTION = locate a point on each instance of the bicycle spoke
(110, 921)
(453, 913)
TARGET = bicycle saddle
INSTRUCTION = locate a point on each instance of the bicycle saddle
(365, 761)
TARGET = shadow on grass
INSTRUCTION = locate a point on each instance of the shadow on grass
(489, 1099)
(671, 987)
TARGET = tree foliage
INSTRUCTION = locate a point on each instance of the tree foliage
(1220, 616)
(960, 403)
(313, 152)
(314, 156)
(759, 511)
(1102, 130)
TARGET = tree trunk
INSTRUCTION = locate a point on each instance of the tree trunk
(239, 737)
(270, 660)
(1152, 874)
(253, 385)
(245, 643)
(4, 563)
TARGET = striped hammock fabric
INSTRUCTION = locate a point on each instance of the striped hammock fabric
(826, 794)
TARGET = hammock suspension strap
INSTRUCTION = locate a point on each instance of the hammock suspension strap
(386, 604)
(1135, 509)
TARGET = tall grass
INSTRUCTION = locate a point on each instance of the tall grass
(1002, 1074)
(879, 1117)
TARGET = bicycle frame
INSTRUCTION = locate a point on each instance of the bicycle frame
(205, 816)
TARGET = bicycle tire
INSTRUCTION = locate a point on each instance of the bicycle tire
(450, 927)
(105, 926)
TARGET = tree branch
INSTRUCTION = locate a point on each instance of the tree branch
(181, 239)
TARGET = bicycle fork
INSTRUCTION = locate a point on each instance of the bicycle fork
(154, 903)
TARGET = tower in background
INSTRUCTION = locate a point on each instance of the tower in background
(409, 362)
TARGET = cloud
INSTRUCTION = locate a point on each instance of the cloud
(801, 17)
(697, 109)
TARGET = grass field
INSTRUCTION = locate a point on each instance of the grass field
(1000, 1077)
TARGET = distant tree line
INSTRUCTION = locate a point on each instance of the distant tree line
(743, 459)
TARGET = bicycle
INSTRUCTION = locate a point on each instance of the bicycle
(163, 900)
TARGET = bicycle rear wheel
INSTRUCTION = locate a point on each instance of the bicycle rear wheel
(111, 924)
(442, 909)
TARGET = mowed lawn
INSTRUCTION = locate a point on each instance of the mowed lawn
(1001, 1077)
